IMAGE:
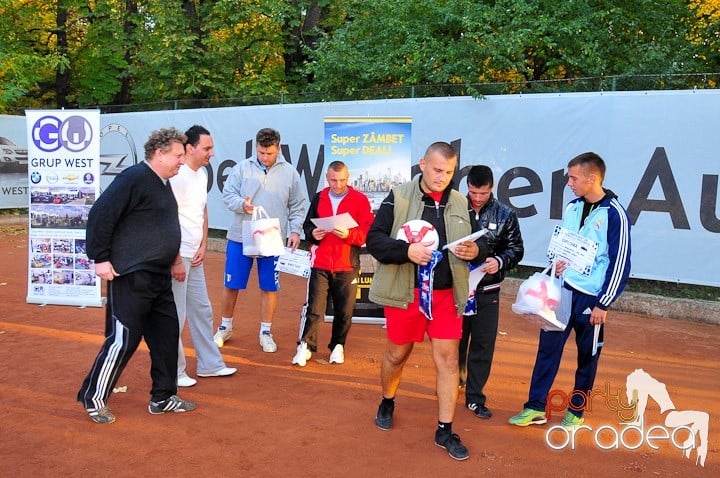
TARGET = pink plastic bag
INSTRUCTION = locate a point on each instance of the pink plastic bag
(538, 298)
(261, 235)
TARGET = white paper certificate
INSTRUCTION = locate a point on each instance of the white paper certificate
(570, 246)
(470, 237)
(295, 263)
(340, 220)
(475, 277)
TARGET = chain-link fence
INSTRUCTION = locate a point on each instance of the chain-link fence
(571, 85)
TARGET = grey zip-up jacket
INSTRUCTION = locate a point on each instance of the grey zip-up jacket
(278, 190)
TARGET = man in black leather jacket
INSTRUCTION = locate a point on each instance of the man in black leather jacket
(506, 251)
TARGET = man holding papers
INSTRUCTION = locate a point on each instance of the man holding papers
(597, 216)
(336, 225)
(480, 323)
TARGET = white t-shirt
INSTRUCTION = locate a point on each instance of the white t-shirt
(190, 189)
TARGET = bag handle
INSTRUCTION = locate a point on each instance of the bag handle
(259, 213)
(551, 269)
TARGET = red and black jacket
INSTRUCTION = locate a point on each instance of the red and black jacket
(332, 253)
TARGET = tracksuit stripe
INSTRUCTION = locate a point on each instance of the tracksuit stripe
(109, 366)
(621, 263)
(303, 314)
(303, 317)
(618, 273)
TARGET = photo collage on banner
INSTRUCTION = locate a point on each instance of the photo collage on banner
(377, 151)
(63, 175)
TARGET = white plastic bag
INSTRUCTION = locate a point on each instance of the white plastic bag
(538, 298)
(261, 235)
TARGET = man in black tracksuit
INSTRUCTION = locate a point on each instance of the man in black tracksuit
(506, 251)
(133, 235)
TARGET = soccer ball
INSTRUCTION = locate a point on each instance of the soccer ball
(418, 230)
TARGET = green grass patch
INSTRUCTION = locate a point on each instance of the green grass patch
(13, 212)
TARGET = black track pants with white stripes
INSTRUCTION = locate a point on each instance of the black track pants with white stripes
(140, 305)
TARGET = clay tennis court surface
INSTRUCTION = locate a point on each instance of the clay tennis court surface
(274, 419)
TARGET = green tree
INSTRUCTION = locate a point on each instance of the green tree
(28, 57)
(243, 42)
(389, 43)
(102, 62)
(303, 23)
(89, 52)
(706, 31)
(72, 52)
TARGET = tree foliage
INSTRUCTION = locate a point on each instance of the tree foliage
(505, 40)
(93, 52)
(28, 57)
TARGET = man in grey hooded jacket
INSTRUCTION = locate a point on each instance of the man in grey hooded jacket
(269, 181)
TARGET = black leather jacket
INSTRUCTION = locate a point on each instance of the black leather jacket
(504, 239)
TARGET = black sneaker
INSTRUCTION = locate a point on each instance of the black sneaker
(481, 411)
(384, 420)
(451, 442)
(172, 404)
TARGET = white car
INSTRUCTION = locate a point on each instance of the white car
(12, 158)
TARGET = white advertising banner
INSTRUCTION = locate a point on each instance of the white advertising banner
(63, 175)
(659, 147)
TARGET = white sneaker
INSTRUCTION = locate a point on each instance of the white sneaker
(222, 335)
(186, 381)
(338, 354)
(267, 343)
(302, 355)
(223, 372)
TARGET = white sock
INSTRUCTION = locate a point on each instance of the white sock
(227, 322)
(265, 327)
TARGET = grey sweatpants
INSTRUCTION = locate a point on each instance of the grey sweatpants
(193, 303)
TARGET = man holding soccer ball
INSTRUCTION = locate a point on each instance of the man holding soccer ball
(422, 285)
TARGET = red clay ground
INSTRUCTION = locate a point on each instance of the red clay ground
(273, 419)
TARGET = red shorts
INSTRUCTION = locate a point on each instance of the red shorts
(409, 325)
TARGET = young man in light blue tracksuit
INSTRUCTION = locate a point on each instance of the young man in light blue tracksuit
(596, 215)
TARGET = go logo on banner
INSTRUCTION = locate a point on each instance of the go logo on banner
(49, 134)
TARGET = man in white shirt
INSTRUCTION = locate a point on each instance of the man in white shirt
(189, 288)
